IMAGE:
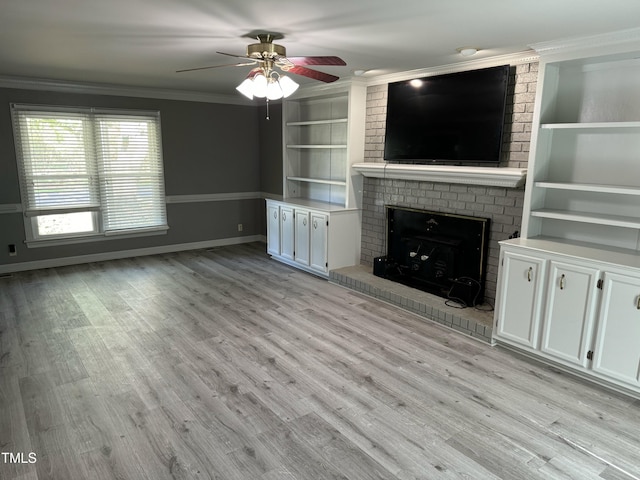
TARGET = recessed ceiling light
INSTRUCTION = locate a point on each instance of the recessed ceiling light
(467, 51)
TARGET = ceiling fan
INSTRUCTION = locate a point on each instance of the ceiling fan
(265, 80)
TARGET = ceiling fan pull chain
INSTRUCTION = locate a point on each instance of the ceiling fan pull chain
(267, 109)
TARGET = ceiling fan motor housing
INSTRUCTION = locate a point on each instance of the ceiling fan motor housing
(265, 49)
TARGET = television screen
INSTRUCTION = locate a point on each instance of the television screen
(454, 118)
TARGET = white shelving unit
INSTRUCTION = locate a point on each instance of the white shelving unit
(585, 161)
(323, 136)
(317, 136)
(569, 289)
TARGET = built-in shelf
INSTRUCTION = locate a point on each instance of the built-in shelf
(341, 183)
(307, 146)
(316, 122)
(599, 219)
(589, 126)
(597, 252)
(589, 187)
(487, 176)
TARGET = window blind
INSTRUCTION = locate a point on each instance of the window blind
(82, 159)
(58, 171)
(131, 171)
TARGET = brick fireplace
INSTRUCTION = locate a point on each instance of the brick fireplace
(503, 205)
(436, 252)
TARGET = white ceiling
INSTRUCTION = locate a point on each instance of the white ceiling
(142, 43)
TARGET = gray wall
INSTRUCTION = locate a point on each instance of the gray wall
(208, 149)
(270, 148)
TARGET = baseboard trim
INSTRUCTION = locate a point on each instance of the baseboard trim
(139, 252)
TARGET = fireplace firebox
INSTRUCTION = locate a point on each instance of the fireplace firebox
(440, 253)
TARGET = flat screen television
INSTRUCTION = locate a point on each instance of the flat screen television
(455, 118)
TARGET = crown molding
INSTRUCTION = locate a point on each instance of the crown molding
(622, 40)
(317, 89)
(26, 83)
(528, 56)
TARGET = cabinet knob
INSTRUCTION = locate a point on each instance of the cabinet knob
(315, 224)
(304, 221)
(638, 303)
(529, 274)
(275, 214)
(284, 216)
(562, 282)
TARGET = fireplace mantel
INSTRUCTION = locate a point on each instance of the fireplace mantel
(488, 176)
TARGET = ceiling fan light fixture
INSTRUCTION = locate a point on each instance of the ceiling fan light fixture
(275, 87)
(260, 85)
(246, 88)
(288, 86)
(274, 90)
(264, 80)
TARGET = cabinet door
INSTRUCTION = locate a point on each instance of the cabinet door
(617, 346)
(570, 308)
(520, 299)
(286, 232)
(319, 241)
(273, 229)
(302, 236)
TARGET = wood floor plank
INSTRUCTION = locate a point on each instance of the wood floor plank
(298, 456)
(63, 359)
(14, 433)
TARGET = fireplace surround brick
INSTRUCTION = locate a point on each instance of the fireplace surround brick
(502, 205)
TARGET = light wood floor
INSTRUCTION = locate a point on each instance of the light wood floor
(224, 364)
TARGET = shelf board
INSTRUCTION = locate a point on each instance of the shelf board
(487, 176)
(597, 218)
(315, 146)
(316, 122)
(589, 125)
(589, 187)
(595, 252)
(340, 183)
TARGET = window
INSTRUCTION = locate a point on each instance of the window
(89, 172)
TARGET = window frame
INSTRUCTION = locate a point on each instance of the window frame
(94, 163)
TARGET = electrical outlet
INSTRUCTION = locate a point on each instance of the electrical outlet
(12, 250)
(239, 227)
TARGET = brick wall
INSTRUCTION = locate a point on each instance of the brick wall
(502, 205)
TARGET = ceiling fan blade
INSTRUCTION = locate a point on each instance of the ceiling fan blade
(217, 66)
(316, 60)
(307, 72)
(232, 55)
(241, 56)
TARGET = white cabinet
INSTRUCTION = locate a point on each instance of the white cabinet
(617, 346)
(273, 229)
(570, 309)
(575, 306)
(313, 236)
(302, 238)
(319, 238)
(520, 298)
(581, 215)
(319, 213)
(287, 232)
